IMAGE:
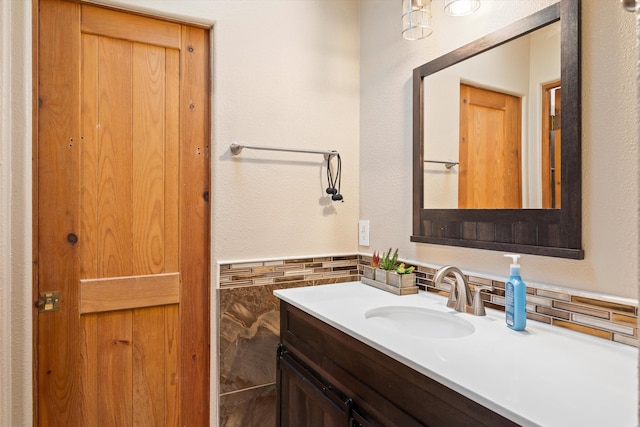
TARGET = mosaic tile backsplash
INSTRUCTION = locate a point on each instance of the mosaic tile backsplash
(249, 322)
(590, 315)
(320, 270)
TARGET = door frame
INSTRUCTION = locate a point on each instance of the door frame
(210, 410)
(545, 152)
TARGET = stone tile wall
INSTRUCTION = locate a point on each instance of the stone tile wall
(249, 329)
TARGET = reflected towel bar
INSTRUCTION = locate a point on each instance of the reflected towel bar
(447, 163)
(237, 148)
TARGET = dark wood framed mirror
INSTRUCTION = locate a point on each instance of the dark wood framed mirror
(548, 230)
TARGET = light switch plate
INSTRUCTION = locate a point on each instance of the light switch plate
(363, 232)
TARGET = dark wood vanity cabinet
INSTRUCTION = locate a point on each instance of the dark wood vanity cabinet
(327, 378)
(309, 400)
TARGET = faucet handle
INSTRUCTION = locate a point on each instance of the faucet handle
(478, 304)
(451, 302)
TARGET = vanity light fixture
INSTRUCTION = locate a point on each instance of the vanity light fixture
(460, 7)
(416, 19)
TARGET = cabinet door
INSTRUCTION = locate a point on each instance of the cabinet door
(305, 401)
(358, 420)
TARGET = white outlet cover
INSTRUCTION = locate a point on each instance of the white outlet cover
(363, 232)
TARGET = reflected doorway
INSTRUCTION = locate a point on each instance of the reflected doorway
(490, 175)
(551, 146)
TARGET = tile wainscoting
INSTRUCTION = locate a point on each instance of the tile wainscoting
(249, 321)
(249, 329)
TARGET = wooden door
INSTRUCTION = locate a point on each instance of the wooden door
(490, 174)
(121, 188)
(551, 146)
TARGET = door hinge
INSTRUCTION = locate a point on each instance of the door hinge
(48, 301)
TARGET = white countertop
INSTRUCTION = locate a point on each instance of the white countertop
(544, 376)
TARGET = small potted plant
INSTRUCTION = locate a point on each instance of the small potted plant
(388, 264)
(387, 274)
(402, 277)
(368, 271)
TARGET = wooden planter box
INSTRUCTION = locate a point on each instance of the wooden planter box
(401, 280)
(392, 278)
(369, 272)
(390, 281)
(381, 275)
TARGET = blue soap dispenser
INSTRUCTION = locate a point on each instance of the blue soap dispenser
(516, 297)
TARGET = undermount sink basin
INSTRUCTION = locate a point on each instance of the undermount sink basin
(419, 322)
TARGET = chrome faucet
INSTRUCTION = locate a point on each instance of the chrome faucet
(460, 298)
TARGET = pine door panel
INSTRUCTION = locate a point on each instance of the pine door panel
(56, 258)
(149, 367)
(114, 221)
(115, 368)
(126, 98)
(121, 293)
(194, 205)
(130, 345)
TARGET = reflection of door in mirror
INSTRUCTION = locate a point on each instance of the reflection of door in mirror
(551, 146)
(490, 160)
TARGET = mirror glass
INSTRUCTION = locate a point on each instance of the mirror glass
(491, 133)
(504, 130)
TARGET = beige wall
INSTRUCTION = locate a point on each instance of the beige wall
(301, 73)
(610, 141)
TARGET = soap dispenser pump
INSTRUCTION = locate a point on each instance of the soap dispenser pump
(516, 297)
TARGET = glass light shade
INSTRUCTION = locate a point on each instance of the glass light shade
(460, 7)
(416, 19)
